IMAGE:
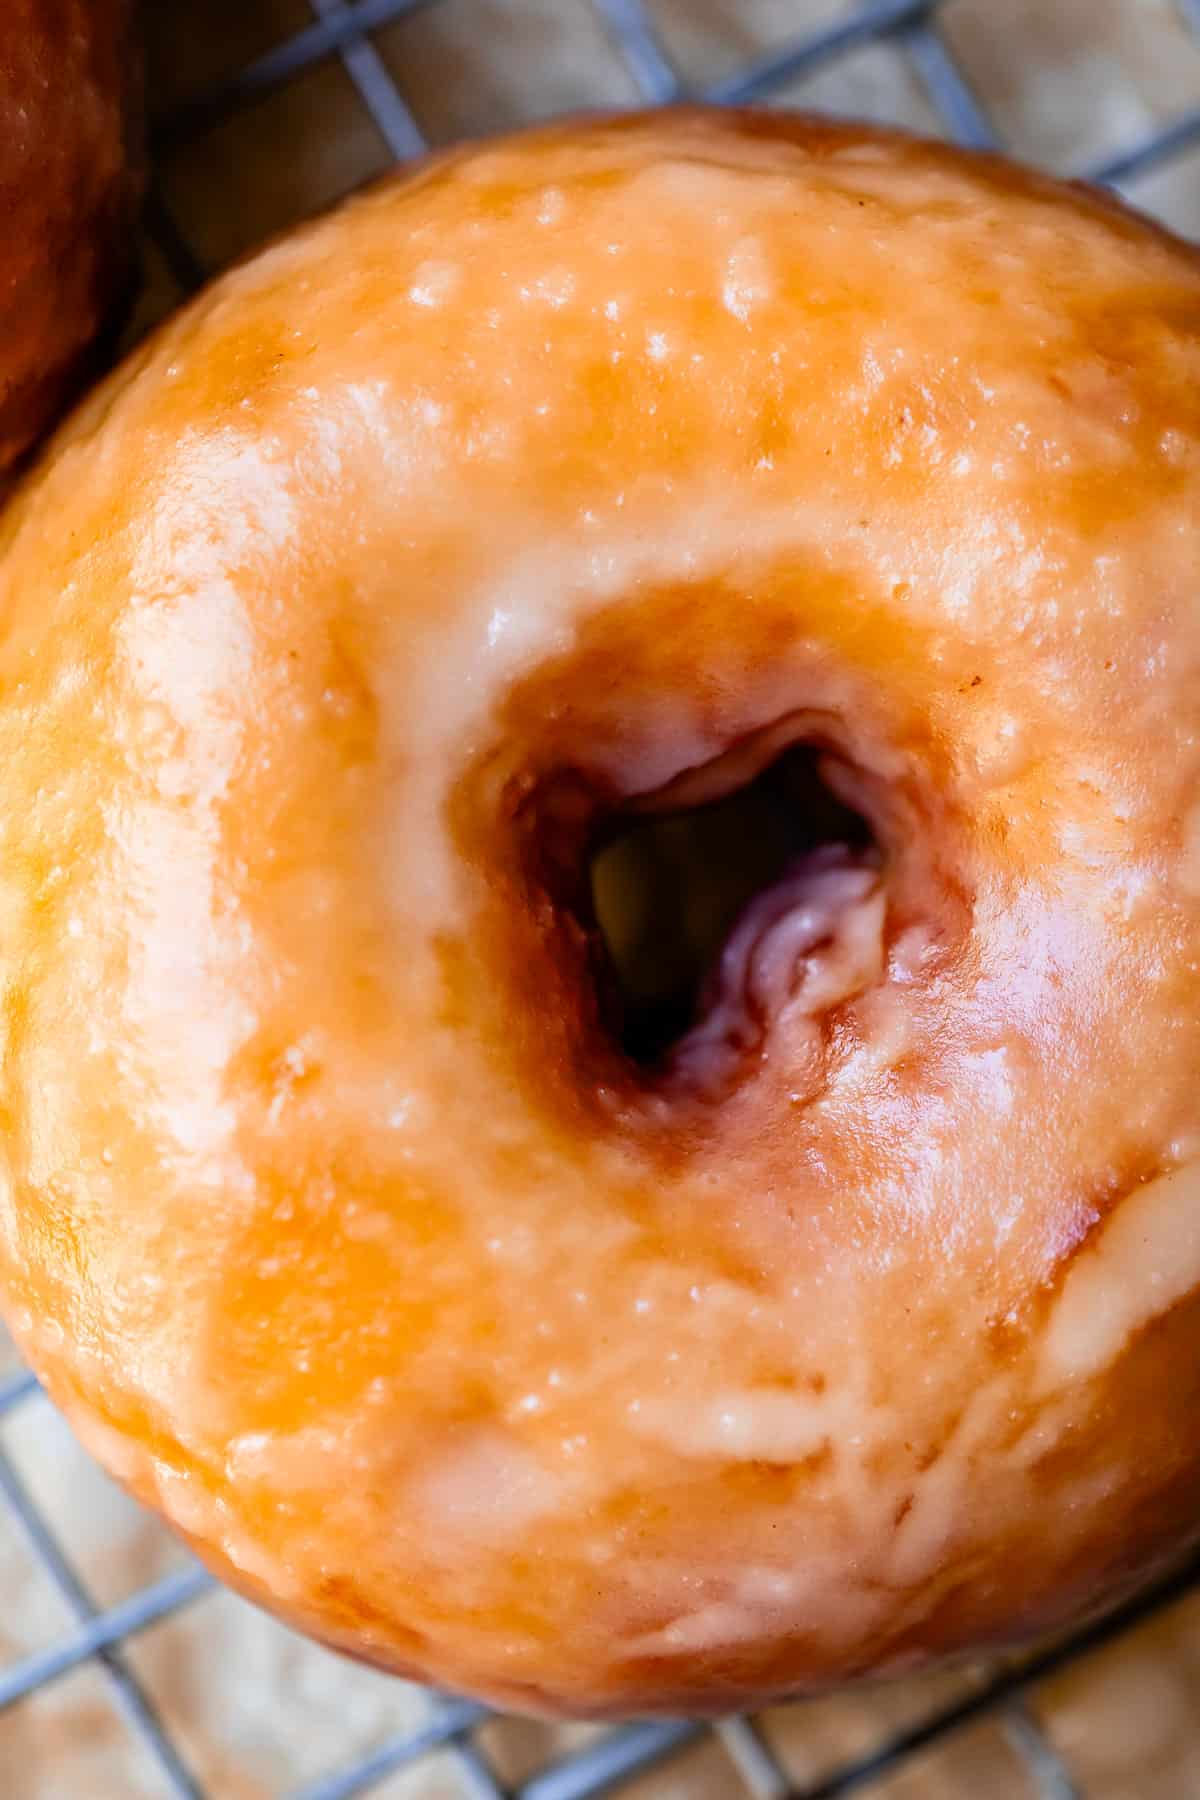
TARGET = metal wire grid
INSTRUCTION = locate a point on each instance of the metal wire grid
(343, 29)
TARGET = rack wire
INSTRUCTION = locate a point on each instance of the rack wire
(100, 1635)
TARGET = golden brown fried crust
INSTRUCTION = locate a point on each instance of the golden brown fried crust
(70, 159)
(331, 1213)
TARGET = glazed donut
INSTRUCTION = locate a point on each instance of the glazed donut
(360, 1209)
(69, 187)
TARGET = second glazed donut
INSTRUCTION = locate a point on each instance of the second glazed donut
(70, 162)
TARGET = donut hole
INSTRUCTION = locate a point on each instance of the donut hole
(667, 888)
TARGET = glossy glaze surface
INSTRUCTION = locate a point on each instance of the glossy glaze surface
(69, 186)
(586, 467)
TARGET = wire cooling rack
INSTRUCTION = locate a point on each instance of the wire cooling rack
(347, 31)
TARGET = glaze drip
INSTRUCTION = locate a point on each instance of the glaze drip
(808, 943)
